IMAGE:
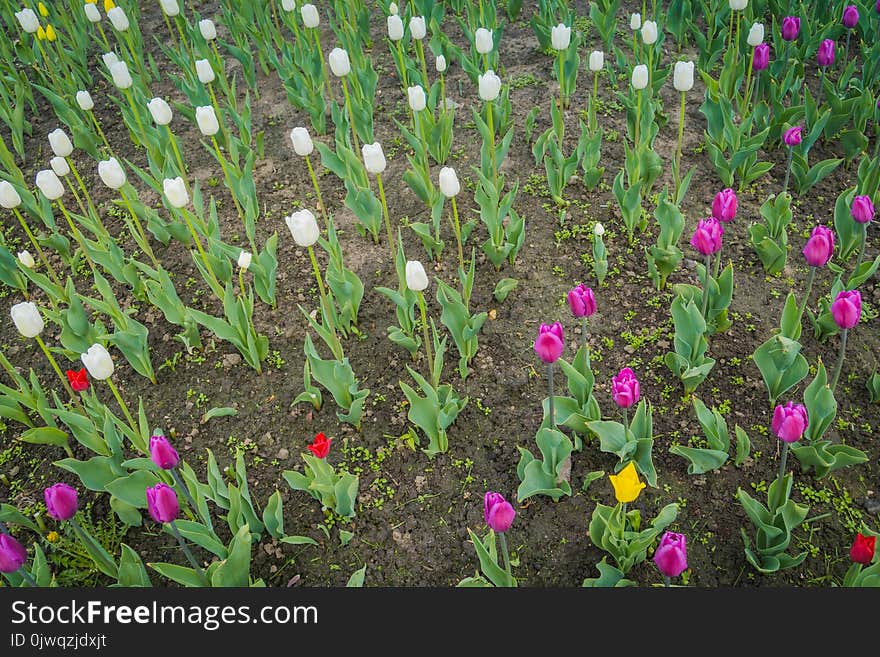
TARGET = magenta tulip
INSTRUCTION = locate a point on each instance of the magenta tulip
(550, 342)
(791, 27)
(707, 236)
(724, 205)
(498, 512)
(789, 422)
(12, 554)
(847, 308)
(162, 453)
(762, 56)
(820, 247)
(581, 301)
(862, 209)
(162, 503)
(670, 556)
(625, 388)
(61, 501)
(825, 56)
(850, 16)
(793, 136)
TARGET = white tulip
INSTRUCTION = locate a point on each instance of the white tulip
(207, 29)
(49, 184)
(121, 76)
(683, 76)
(489, 85)
(449, 184)
(288, 5)
(598, 230)
(98, 362)
(392, 8)
(59, 166)
(27, 319)
(339, 62)
(111, 172)
(160, 111)
(92, 13)
(560, 36)
(310, 15)
(244, 260)
(416, 278)
(417, 27)
(109, 59)
(738, 5)
(417, 98)
(302, 141)
(28, 20)
(597, 60)
(395, 27)
(175, 192)
(60, 143)
(483, 40)
(440, 64)
(649, 32)
(26, 259)
(635, 22)
(204, 71)
(9, 197)
(374, 157)
(170, 7)
(640, 77)
(84, 100)
(207, 120)
(118, 18)
(756, 34)
(303, 227)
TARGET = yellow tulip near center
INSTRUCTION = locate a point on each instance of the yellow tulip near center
(626, 484)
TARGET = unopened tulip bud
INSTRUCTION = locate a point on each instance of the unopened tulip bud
(449, 185)
(374, 157)
(302, 141)
(640, 77)
(26, 259)
(49, 184)
(339, 62)
(789, 422)
(440, 64)
(489, 85)
(170, 7)
(9, 197)
(98, 362)
(111, 173)
(862, 209)
(846, 309)
(204, 71)
(793, 136)
(93, 15)
(303, 227)
(162, 503)
(310, 15)
(59, 166)
(162, 453)
(121, 76)
(244, 260)
(738, 5)
(597, 60)
(483, 40)
(416, 278)
(761, 57)
(395, 27)
(560, 36)
(27, 319)
(60, 143)
(417, 27)
(84, 100)
(12, 554)
(756, 34)
(707, 237)
(109, 58)
(61, 501)
(288, 5)
(550, 342)
(118, 19)
(825, 54)
(724, 205)
(683, 76)
(635, 22)
(498, 512)
(649, 32)
(850, 16)
(207, 29)
(175, 192)
(393, 8)
(625, 389)
(670, 557)
(598, 230)
(417, 100)
(28, 20)
(160, 111)
(791, 27)
(207, 120)
(820, 247)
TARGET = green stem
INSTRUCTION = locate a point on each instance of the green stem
(425, 335)
(317, 190)
(175, 475)
(137, 60)
(562, 99)
(82, 186)
(100, 132)
(456, 225)
(787, 171)
(38, 248)
(77, 236)
(502, 539)
(226, 175)
(323, 63)
(180, 164)
(189, 555)
(806, 298)
(625, 431)
(594, 124)
(442, 95)
(218, 289)
(862, 247)
(385, 213)
(57, 369)
(783, 457)
(552, 408)
(638, 117)
(677, 169)
(748, 84)
(325, 300)
(126, 412)
(706, 286)
(403, 73)
(137, 117)
(840, 357)
(421, 50)
(139, 235)
(419, 128)
(490, 121)
(584, 330)
(354, 138)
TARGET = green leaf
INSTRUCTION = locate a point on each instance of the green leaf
(131, 569)
(298, 540)
(503, 288)
(180, 574)
(743, 445)
(488, 565)
(46, 436)
(357, 578)
(222, 411)
(235, 569)
(701, 460)
(133, 488)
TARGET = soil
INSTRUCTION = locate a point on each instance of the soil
(413, 512)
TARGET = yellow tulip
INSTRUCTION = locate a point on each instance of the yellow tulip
(91, 2)
(108, 5)
(50, 33)
(42, 9)
(626, 484)
(41, 33)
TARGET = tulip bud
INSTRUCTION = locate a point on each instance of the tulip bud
(625, 389)
(483, 40)
(489, 85)
(863, 547)
(440, 64)
(449, 185)
(28, 20)
(84, 100)
(111, 173)
(417, 98)
(416, 278)
(109, 58)
(560, 36)
(118, 19)
(51, 34)
(707, 236)
(160, 111)
(789, 422)
(683, 76)
(670, 557)
(756, 34)
(498, 512)
(108, 4)
(649, 32)
(724, 205)
(640, 77)
(395, 27)
(244, 260)
(49, 184)
(207, 29)
(417, 27)
(850, 17)
(598, 230)
(61, 501)
(825, 55)
(162, 503)
(60, 143)
(635, 22)
(738, 5)
(162, 453)
(550, 342)
(393, 9)
(339, 62)
(26, 259)
(847, 308)
(12, 554)
(581, 301)
(170, 7)
(791, 27)
(761, 57)
(41, 33)
(793, 136)
(302, 141)
(303, 227)
(42, 9)
(27, 319)
(862, 209)
(288, 5)
(374, 157)
(9, 197)
(207, 120)
(121, 76)
(320, 446)
(175, 192)
(98, 362)
(310, 15)
(820, 247)
(59, 166)
(597, 60)
(93, 15)
(204, 71)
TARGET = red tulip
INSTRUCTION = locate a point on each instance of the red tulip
(862, 550)
(320, 446)
(78, 379)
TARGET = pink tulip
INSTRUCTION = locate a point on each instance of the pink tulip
(61, 501)
(793, 136)
(550, 342)
(498, 512)
(670, 556)
(581, 301)
(762, 56)
(724, 205)
(162, 503)
(707, 236)
(862, 209)
(850, 17)
(825, 56)
(791, 27)
(625, 388)
(790, 422)
(820, 247)
(847, 308)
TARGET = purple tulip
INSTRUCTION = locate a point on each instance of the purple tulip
(790, 422)
(162, 503)
(791, 27)
(12, 554)
(724, 205)
(862, 209)
(847, 308)
(498, 512)
(762, 56)
(825, 56)
(877, 7)
(850, 16)
(625, 388)
(61, 501)
(671, 555)
(707, 236)
(550, 342)
(793, 136)
(162, 453)
(581, 301)
(820, 247)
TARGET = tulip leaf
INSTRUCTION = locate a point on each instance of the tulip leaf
(235, 569)
(9, 514)
(180, 574)
(46, 436)
(743, 445)
(94, 474)
(503, 288)
(221, 411)
(781, 364)
(131, 569)
(489, 565)
(701, 460)
(298, 540)
(132, 488)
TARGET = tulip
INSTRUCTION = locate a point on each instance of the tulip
(98, 362)
(738, 5)
(395, 27)
(417, 27)
(417, 99)
(489, 86)
(118, 19)
(847, 309)
(310, 15)
(683, 76)
(303, 228)
(862, 209)
(393, 9)
(450, 187)
(160, 111)
(302, 141)
(820, 247)
(789, 422)
(640, 77)
(162, 503)
(550, 342)
(92, 13)
(109, 58)
(483, 40)
(625, 391)
(724, 205)
(162, 453)
(288, 5)
(111, 173)
(598, 230)
(12, 555)
(26, 259)
(320, 445)
(78, 379)
(207, 120)
(791, 27)
(670, 557)
(49, 184)
(175, 192)
(417, 281)
(707, 237)
(204, 71)
(28, 20)
(9, 197)
(339, 62)
(792, 137)
(374, 158)
(27, 319)
(635, 22)
(121, 76)
(850, 17)
(597, 60)
(560, 36)
(825, 56)
(498, 512)
(61, 501)
(244, 260)
(84, 100)
(581, 301)
(440, 64)
(207, 29)
(170, 7)
(756, 34)
(761, 55)
(59, 166)
(626, 483)
(862, 550)
(649, 33)
(60, 143)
